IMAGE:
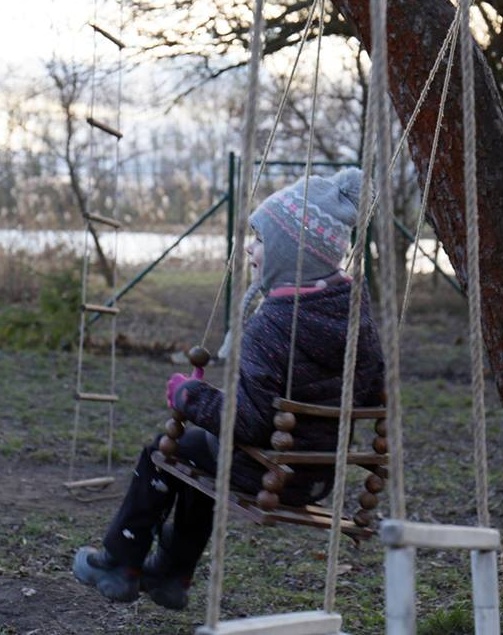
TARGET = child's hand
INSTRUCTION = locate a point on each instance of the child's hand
(174, 382)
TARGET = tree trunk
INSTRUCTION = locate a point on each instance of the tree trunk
(416, 30)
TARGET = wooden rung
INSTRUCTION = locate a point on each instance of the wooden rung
(92, 396)
(104, 127)
(105, 220)
(297, 407)
(100, 481)
(97, 308)
(300, 623)
(402, 533)
(108, 36)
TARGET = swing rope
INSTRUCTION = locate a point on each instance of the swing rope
(429, 176)
(351, 350)
(472, 238)
(415, 113)
(388, 265)
(300, 252)
(261, 167)
(231, 373)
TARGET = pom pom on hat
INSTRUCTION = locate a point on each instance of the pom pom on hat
(329, 213)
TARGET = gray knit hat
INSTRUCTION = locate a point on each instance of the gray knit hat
(330, 209)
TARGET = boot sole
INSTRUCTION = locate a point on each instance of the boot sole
(110, 583)
(165, 592)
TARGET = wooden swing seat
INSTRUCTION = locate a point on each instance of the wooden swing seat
(282, 462)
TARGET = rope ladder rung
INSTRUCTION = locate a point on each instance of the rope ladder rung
(99, 481)
(104, 127)
(94, 396)
(105, 220)
(108, 36)
(98, 308)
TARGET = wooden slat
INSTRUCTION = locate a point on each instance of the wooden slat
(313, 458)
(297, 407)
(402, 533)
(104, 220)
(92, 396)
(245, 504)
(99, 308)
(301, 623)
(262, 457)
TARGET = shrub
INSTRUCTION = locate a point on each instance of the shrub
(51, 325)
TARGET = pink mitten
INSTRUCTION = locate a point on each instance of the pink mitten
(174, 382)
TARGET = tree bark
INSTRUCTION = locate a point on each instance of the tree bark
(416, 30)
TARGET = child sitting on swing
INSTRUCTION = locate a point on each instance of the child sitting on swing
(125, 566)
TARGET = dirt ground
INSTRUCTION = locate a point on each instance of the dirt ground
(42, 524)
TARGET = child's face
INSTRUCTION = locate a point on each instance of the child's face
(255, 251)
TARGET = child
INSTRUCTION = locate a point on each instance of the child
(124, 567)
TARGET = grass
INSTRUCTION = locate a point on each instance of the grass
(267, 569)
(457, 620)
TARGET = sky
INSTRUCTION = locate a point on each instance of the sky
(34, 29)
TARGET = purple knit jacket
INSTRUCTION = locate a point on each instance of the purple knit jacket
(322, 323)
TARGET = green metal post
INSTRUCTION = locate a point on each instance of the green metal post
(230, 230)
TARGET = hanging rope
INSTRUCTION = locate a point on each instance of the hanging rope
(472, 245)
(231, 373)
(417, 109)
(351, 349)
(286, 92)
(302, 239)
(261, 166)
(387, 257)
(433, 154)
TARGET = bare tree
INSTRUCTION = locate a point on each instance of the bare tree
(70, 82)
(206, 39)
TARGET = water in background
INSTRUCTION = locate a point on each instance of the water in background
(142, 248)
(133, 248)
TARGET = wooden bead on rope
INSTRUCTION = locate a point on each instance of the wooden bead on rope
(167, 445)
(273, 482)
(284, 421)
(281, 441)
(380, 427)
(362, 518)
(267, 500)
(199, 356)
(174, 428)
(368, 500)
(374, 484)
(380, 445)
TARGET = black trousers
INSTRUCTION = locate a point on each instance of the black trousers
(151, 496)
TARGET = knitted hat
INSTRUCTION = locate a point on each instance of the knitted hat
(330, 210)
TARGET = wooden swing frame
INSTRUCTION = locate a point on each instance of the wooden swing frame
(282, 462)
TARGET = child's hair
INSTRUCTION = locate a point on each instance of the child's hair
(328, 207)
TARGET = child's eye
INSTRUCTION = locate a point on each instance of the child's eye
(258, 238)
